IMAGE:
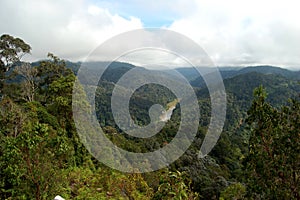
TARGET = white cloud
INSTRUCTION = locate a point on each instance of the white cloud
(94, 10)
(245, 32)
(69, 29)
(232, 32)
(154, 59)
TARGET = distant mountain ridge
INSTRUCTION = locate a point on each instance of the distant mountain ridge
(265, 69)
(116, 70)
(191, 74)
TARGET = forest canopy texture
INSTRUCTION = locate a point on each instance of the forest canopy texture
(41, 155)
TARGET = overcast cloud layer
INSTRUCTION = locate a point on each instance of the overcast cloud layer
(231, 32)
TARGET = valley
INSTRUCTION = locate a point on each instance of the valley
(41, 134)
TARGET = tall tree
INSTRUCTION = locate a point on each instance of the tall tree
(50, 70)
(28, 85)
(11, 51)
(273, 162)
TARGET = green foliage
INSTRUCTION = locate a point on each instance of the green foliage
(42, 156)
(273, 162)
(141, 101)
(11, 118)
(175, 185)
(38, 154)
(61, 96)
(11, 51)
(37, 112)
(105, 183)
(50, 71)
(233, 192)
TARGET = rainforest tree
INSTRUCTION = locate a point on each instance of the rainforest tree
(273, 162)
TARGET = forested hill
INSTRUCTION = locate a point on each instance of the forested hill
(235, 71)
(116, 69)
(41, 155)
(281, 84)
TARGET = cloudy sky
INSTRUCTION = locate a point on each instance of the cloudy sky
(232, 32)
